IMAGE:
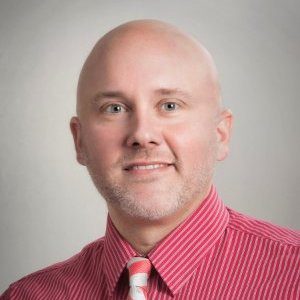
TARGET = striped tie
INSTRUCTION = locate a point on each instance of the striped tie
(139, 270)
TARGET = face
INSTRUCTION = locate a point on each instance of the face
(150, 132)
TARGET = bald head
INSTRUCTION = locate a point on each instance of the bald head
(148, 94)
(145, 43)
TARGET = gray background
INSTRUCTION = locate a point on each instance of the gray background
(49, 207)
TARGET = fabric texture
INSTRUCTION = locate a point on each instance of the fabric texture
(139, 269)
(216, 253)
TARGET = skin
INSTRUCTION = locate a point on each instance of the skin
(149, 94)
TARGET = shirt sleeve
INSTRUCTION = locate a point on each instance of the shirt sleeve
(7, 294)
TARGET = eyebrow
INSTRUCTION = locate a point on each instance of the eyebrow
(172, 92)
(109, 94)
(158, 92)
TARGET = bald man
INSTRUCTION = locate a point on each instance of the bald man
(150, 128)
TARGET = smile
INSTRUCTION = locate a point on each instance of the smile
(146, 166)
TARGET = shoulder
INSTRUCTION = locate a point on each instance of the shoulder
(265, 257)
(263, 230)
(55, 278)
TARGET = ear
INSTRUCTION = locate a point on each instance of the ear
(77, 136)
(224, 129)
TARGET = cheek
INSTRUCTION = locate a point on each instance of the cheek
(102, 144)
(191, 144)
(191, 136)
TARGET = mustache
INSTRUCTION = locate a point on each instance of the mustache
(147, 155)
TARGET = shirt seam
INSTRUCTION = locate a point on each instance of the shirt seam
(231, 226)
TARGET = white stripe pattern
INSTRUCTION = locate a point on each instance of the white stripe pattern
(139, 269)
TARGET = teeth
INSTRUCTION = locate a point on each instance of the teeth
(147, 167)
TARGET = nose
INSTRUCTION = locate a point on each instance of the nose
(144, 132)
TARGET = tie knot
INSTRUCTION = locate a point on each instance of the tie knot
(139, 270)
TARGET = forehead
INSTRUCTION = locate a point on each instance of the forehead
(133, 70)
(137, 66)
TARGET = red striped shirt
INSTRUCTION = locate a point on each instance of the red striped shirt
(216, 253)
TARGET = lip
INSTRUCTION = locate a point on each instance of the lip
(143, 166)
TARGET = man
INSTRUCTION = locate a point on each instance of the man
(150, 127)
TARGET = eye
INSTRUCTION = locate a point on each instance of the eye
(170, 106)
(114, 108)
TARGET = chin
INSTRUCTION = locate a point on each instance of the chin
(150, 208)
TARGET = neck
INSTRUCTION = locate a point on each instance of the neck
(144, 234)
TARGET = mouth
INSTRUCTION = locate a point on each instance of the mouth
(146, 166)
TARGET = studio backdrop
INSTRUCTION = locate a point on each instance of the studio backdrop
(49, 207)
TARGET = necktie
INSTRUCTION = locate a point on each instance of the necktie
(139, 270)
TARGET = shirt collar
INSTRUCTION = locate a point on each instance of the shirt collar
(177, 256)
(117, 252)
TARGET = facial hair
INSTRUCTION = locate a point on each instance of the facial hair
(163, 202)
